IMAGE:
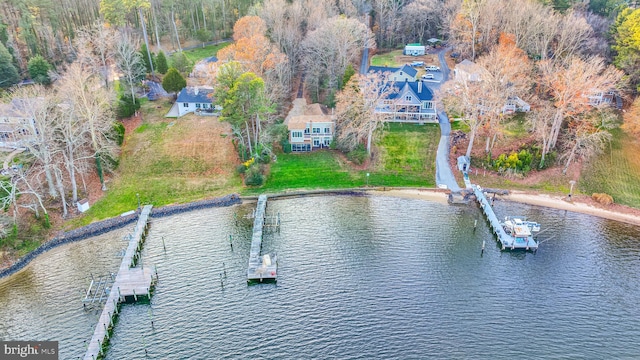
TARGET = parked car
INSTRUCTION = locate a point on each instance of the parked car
(428, 77)
(432, 68)
(417, 63)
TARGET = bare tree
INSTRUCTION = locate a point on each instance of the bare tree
(357, 118)
(588, 136)
(330, 48)
(464, 98)
(129, 62)
(570, 84)
(97, 43)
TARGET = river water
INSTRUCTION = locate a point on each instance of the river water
(359, 278)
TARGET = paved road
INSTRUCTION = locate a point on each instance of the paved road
(364, 65)
(444, 175)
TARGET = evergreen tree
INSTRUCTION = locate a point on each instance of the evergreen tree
(173, 81)
(348, 73)
(8, 73)
(39, 70)
(161, 62)
(145, 58)
(180, 62)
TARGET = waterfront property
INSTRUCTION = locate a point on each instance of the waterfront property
(309, 126)
(413, 102)
(196, 100)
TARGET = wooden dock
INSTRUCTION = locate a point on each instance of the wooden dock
(261, 268)
(507, 241)
(131, 283)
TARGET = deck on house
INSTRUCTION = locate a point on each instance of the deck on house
(130, 283)
(260, 268)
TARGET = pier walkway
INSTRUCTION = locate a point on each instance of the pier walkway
(130, 283)
(261, 268)
(506, 241)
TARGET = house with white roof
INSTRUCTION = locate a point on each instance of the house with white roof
(467, 70)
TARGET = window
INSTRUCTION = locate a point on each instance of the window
(387, 102)
(327, 130)
(296, 134)
(185, 105)
(408, 98)
(197, 106)
(427, 105)
(316, 142)
(306, 131)
(316, 130)
(327, 141)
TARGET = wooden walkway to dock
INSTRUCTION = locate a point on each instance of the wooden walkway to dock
(130, 283)
(507, 241)
(261, 268)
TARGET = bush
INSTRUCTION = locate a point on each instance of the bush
(39, 70)
(161, 61)
(241, 169)
(602, 198)
(357, 155)
(118, 130)
(173, 81)
(254, 177)
(127, 107)
(286, 146)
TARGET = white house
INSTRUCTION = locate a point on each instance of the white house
(414, 49)
(196, 100)
(404, 73)
(515, 104)
(413, 102)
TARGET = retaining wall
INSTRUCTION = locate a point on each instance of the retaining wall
(101, 227)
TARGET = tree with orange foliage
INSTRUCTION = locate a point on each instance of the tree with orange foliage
(248, 26)
(507, 74)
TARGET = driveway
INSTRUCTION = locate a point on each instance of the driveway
(444, 175)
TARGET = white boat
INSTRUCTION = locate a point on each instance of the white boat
(522, 220)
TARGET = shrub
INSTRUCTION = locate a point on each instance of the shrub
(253, 176)
(118, 130)
(602, 198)
(161, 61)
(357, 155)
(126, 107)
(241, 169)
(39, 70)
(286, 146)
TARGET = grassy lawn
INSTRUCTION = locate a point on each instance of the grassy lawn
(406, 158)
(616, 172)
(386, 59)
(169, 161)
(195, 55)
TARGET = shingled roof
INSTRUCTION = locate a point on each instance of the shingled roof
(195, 95)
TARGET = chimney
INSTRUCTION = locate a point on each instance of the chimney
(195, 91)
(419, 86)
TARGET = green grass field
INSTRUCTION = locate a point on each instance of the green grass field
(616, 172)
(386, 59)
(169, 161)
(406, 158)
(195, 55)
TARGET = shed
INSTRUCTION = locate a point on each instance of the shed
(463, 163)
(414, 49)
(83, 205)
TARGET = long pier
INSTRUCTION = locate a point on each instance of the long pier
(506, 241)
(261, 268)
(131, 283)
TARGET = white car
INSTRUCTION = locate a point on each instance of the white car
(428, 77)
(432, 68)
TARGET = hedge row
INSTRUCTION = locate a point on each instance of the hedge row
(101, 227)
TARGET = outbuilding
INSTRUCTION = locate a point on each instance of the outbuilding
(414, 49)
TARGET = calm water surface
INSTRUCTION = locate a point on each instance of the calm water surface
(359, 278)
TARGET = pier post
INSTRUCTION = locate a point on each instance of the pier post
(134, 295)
(163, 245)
(475, 224)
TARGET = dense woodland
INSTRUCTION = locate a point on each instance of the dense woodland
(550, 53)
